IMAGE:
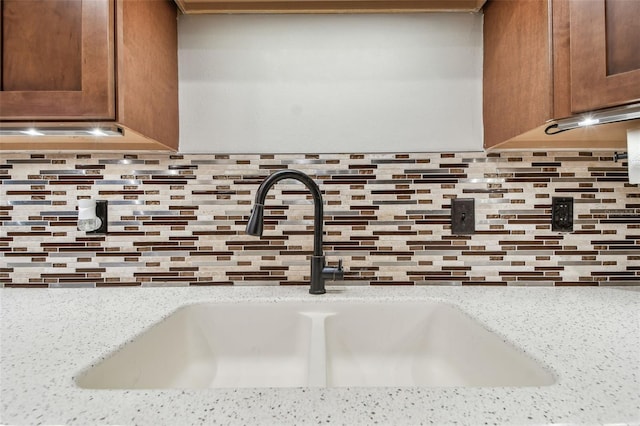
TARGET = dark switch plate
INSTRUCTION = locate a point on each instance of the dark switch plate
(562, 214)
(463, 216)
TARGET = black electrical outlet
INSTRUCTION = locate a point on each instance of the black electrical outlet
(103, 215)
(562, 214)
(463, 217)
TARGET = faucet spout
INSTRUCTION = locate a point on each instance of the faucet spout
(319, 271)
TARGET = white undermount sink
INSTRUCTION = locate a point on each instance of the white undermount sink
(326, 344)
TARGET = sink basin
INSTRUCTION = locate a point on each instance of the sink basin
(211, 345)
(425, 344)
(325, 344)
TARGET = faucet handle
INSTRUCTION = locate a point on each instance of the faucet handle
(339, 274)
(330, 273)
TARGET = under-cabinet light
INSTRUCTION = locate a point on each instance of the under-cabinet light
(111, 131)
(611, 115)
(589, 121)
(31, 132)
(98, 132)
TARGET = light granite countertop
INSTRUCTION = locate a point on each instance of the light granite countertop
(589, 337)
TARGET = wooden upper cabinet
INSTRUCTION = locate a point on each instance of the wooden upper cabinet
(328, 6)
(517, 75)
(89, 63)
(605, 53)
(57, 60)
(550, 59)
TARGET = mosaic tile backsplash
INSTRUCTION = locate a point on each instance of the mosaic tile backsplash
(180, 219)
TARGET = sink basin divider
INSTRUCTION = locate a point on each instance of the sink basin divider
(317, 348)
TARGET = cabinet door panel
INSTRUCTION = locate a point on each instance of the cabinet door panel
(605, 53)
(622, 19)
(57, 60)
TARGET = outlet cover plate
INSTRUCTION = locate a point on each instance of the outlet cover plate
(103, 213)
(463, 216)
(562, 214)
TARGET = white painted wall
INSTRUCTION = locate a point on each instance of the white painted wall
(330, 83)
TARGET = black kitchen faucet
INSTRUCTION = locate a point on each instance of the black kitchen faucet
(319, 271)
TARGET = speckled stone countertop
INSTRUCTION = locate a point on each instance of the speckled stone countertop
(589, 337)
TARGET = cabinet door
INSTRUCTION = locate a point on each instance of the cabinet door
(57, 60)
(605, 53)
